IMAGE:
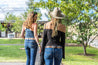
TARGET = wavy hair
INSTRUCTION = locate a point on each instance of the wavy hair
(55, 23)
(30, 19)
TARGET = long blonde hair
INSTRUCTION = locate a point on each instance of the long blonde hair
(55, 23)
(30, 19)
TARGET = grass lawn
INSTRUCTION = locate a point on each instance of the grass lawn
(12, 54)
(21, 41)
(13, 41)
(73, 56)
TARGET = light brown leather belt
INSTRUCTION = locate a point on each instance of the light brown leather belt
(30, 38)
(53, 47)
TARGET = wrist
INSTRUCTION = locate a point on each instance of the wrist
(39, 46)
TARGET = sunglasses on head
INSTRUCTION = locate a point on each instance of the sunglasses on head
(34, 13)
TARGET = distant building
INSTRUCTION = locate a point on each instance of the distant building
(8, 33)
(42, 22)
(6, 25)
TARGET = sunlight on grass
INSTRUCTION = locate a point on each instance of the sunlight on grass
(11, 41)
(9, 59)
(80, 63)
(14, 53)
(72, 56)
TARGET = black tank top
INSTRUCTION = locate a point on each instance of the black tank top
(58, 40)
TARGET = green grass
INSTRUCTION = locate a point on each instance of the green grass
(21, 41)
(12, 54)
(15, 54)
(13, 41)
(73, 58)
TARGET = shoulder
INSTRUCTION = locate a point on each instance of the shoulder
(34, 24)
(62, 28)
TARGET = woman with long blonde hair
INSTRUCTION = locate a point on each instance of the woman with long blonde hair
(53, 42)
(29, 33)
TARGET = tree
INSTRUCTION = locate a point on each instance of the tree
(17, 26)
(87, 25)
(2, 28)
(75, 11)
(85, 31)
(9, 20)
(40, 29)
(15, 22)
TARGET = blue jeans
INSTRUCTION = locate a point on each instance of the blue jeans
(53, 55)
(31, 50)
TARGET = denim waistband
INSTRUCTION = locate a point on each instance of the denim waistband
(53, 46)
(29, 38)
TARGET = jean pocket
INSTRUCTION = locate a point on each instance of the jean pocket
(33, 44)
(58, 54)
(48, 53)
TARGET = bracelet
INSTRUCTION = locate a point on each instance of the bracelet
(39, 45)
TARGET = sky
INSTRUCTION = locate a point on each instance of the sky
(6, 5)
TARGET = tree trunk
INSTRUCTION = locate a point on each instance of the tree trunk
(15, 34)
(85, 53)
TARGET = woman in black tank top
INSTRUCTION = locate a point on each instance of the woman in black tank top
(53, 42)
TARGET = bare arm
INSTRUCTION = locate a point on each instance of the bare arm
(35, 33)
(22, 32)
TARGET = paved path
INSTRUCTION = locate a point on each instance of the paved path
(12, 63)
(12, 44)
